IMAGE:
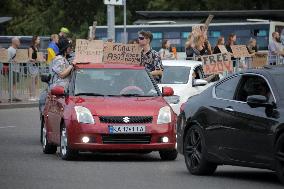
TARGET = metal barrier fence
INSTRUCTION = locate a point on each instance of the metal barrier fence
(21, 81)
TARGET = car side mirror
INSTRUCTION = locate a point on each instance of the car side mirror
(255, 101)
(58, 91)
(45, 78)
(199, 82)
(167, 91)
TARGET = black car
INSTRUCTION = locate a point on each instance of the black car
(237, 121)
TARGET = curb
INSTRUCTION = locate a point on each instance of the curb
(18, 105)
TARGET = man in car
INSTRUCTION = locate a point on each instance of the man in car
(149, 57)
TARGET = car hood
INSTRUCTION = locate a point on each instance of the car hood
(121, 106)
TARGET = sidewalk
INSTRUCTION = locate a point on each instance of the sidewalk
(22, 104)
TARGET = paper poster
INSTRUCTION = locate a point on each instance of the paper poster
(259, 60)
(22, 56)
(240, 51)
(222, 48)
(40, 57)
(89, 51)
(122, 53)
(3, 56)
(217, 63)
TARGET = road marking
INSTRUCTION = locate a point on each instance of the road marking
(7, 127)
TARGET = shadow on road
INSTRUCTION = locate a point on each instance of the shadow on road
(118, 157)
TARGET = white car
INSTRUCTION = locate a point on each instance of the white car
(178, 75)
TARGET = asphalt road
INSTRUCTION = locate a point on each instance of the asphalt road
(24, 166)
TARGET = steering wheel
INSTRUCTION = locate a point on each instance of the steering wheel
(132, 90)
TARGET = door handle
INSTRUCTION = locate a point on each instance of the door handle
(230, 109)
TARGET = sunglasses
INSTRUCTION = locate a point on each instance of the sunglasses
(141, 38)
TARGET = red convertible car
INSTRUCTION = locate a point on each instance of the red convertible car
(109, 108)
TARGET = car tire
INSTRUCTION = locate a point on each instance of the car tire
(279, 158)
(41, 128)
(194, 153)
(168, 155)
(47, 147)
(65, 152)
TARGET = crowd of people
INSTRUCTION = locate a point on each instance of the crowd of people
(60, 55)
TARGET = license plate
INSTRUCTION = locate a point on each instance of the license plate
(126, 129)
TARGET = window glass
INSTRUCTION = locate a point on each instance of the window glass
(175, 75)
(185, 34)
(253, 85)
(227, 88)
(214, 34)
(168, 35)
(157, 35)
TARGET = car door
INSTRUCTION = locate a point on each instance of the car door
(255, 140)
(222, 129)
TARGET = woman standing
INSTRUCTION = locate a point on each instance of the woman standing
(33, 68)
(164, 51)
(220, 41)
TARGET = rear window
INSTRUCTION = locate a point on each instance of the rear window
(175, 75)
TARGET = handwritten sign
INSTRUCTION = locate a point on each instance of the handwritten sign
(222, 48)
(89, 51)
(40, 57)
(208, 21)
(3, 55)
(217, 63)
(122, 53)
(21, 56)
(259, 60)
(240, 51)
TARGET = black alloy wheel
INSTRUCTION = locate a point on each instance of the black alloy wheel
(194, 153)
(279, 158)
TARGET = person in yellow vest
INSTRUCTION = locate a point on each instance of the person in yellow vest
(52, 49)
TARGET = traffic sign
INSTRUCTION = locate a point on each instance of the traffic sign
(113, 2)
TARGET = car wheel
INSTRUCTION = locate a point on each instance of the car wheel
(41, 129)
(168, 155)
(279, 156)
(47, 147)
(65, 152)
(194, 153)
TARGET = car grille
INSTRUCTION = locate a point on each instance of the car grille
(126, 119)
(126, 139)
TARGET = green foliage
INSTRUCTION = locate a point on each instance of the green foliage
(44, 17)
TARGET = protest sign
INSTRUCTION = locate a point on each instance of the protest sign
(240, 51)
(3, 55)
(222, 48)
(122, 53)
(89, 51)
(217, 63)
(208, 21)
(259, 60)
(40, 57)
(22, 55)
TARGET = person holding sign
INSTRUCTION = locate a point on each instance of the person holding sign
(60, 67)
(15, 66)
(149, 57)
(220, 41)
(33, 67)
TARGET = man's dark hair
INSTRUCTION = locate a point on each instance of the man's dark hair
(146, 34)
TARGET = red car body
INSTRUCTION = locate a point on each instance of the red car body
(106, 111)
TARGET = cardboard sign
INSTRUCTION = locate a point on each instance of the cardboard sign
(122, 53)
(89, 51)
(240, 51)
(196, 30)
(259, 60)
(21, 56)
(40, 57)
(222, 48)
(3, 56)
(217, 63)
(208, 21)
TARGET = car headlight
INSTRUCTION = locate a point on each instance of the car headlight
(84, 115)
(172, 99)
(164, 115)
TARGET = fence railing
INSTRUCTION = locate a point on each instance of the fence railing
(21, 81)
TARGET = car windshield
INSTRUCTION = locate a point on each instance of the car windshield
(175, 75)
(278, 78)
(114, 82)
